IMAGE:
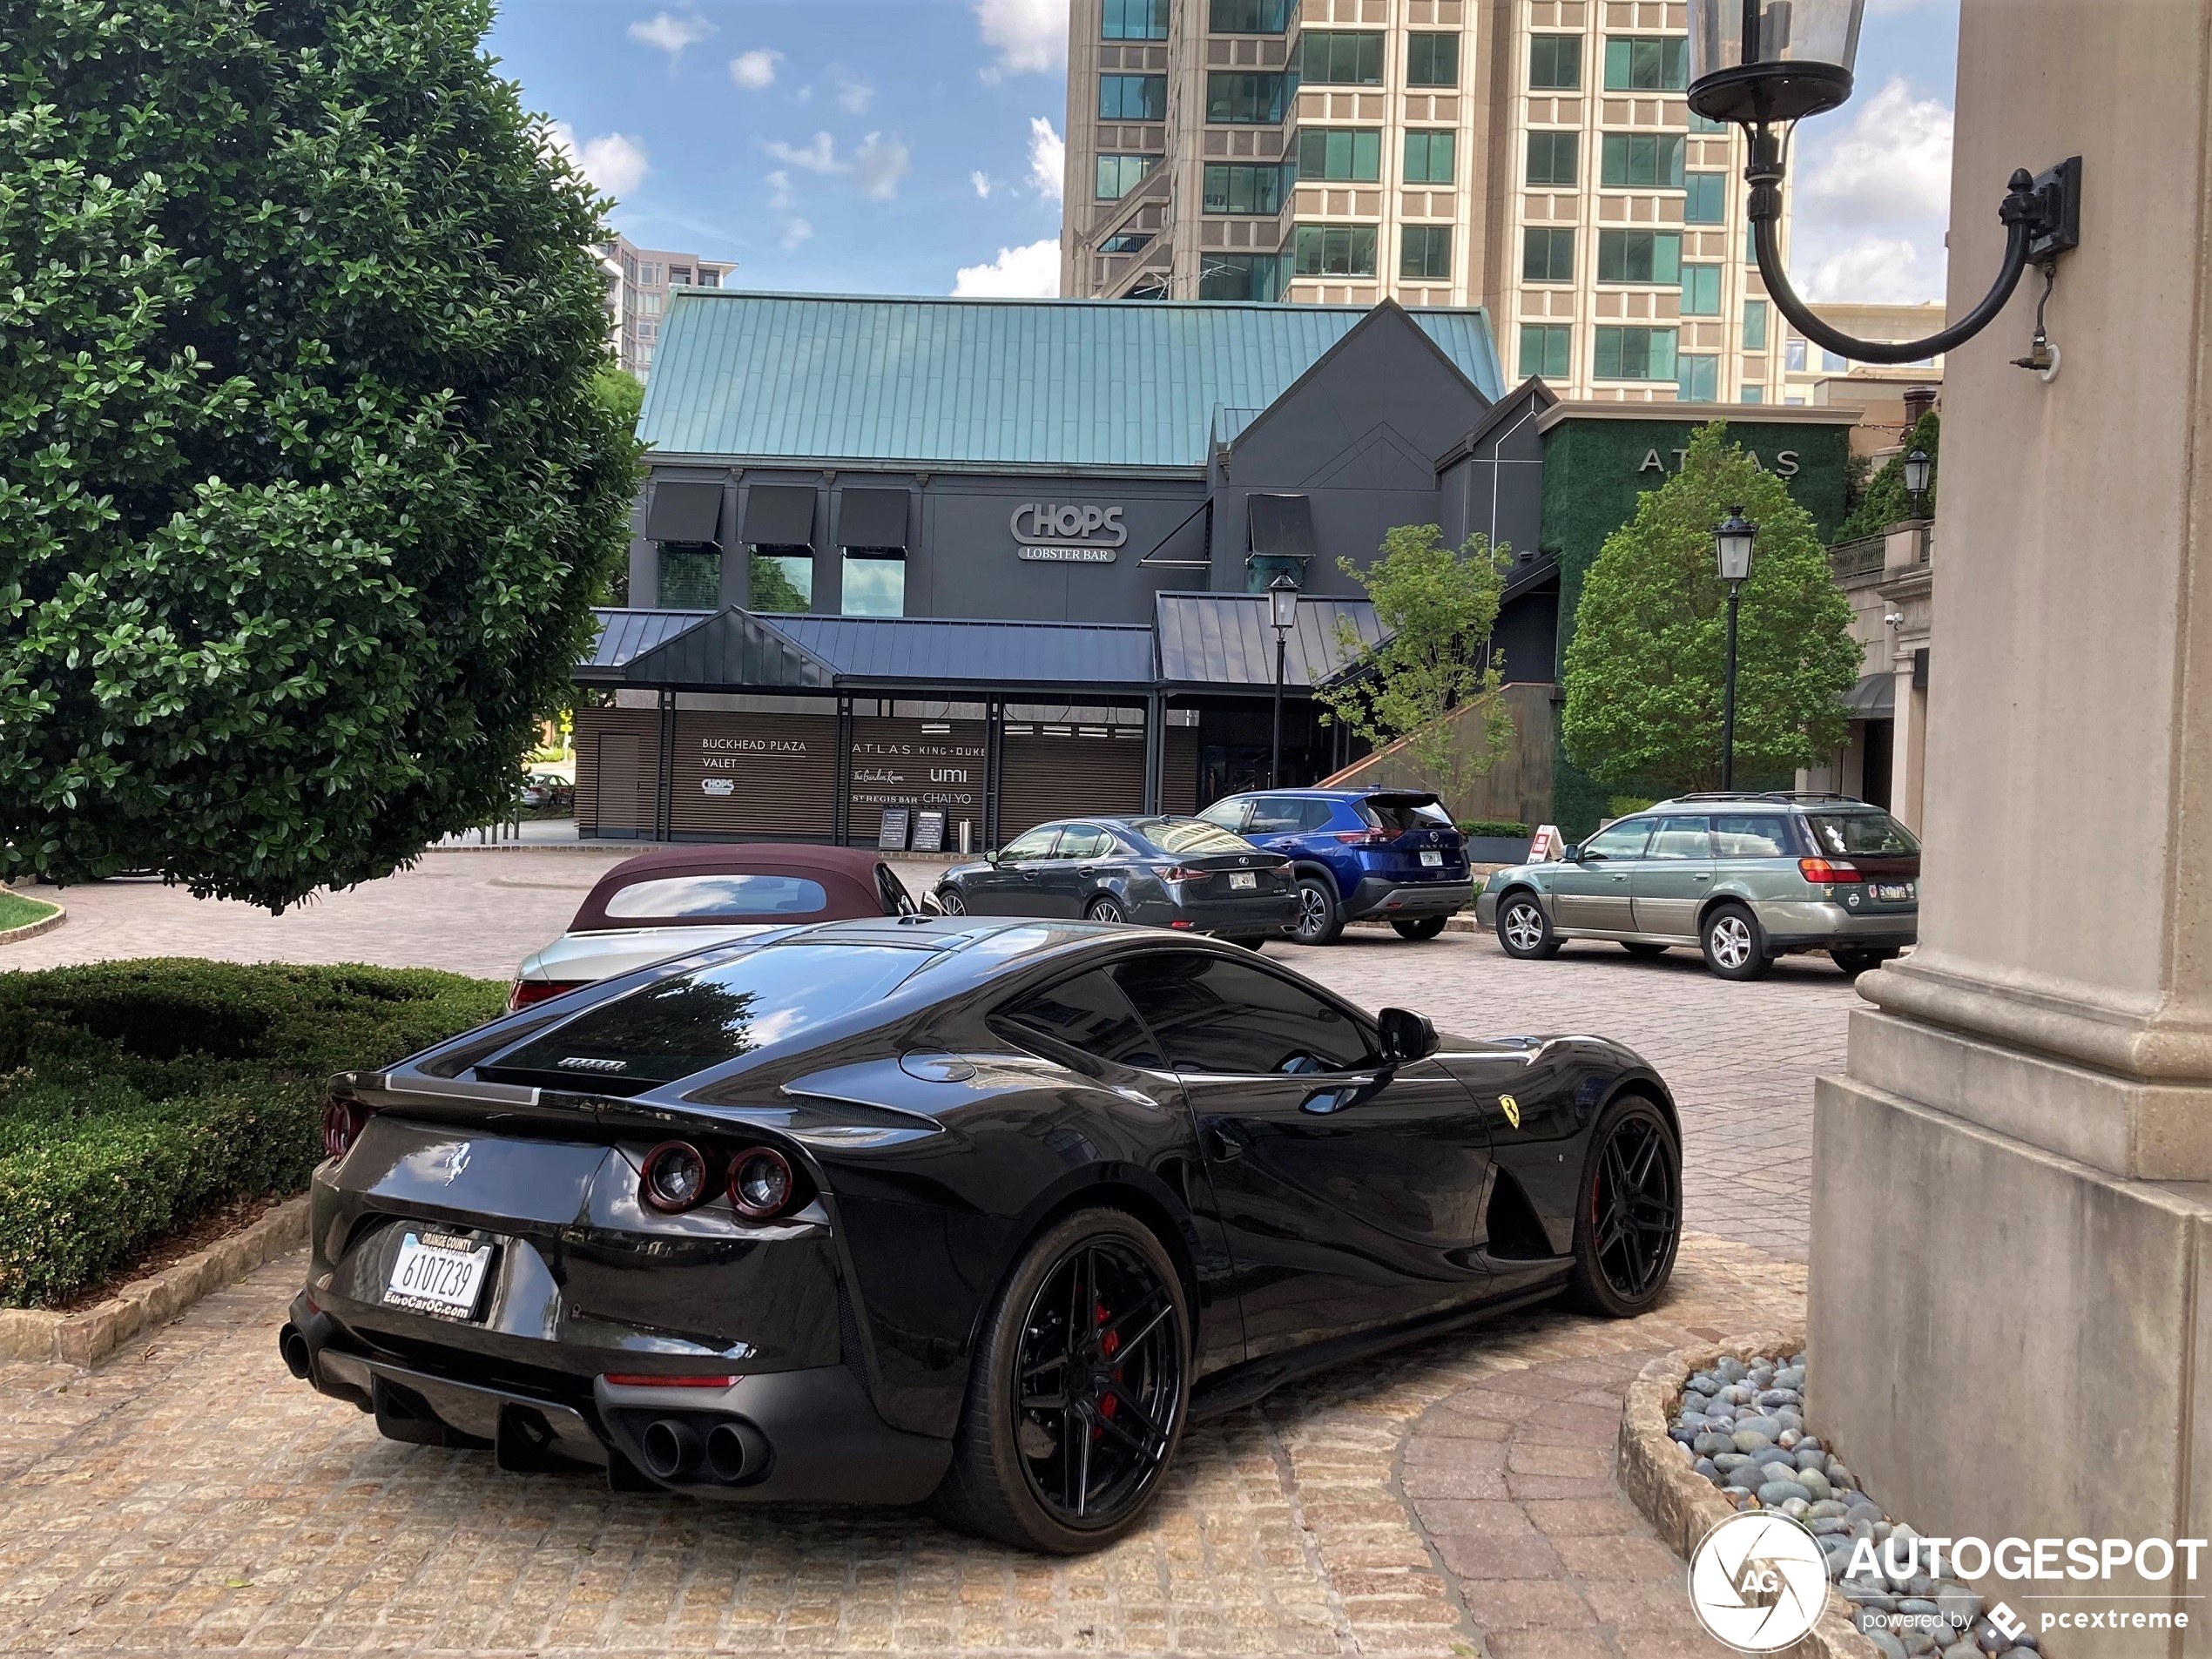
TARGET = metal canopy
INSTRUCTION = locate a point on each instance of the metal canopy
(780, 515)
(1222, 641)
(625, 635)
(871, 518)
(1280, 527)
(729, 651)
(1873, 698)
(683, 512)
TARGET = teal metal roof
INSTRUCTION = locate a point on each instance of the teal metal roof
(990, 382)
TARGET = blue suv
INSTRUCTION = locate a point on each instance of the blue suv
(1388, 853)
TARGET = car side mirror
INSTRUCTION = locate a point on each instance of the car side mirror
(1406, 1036)
(990, 855)
(1571, 854)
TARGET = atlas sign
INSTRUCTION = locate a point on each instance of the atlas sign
(1068, 532)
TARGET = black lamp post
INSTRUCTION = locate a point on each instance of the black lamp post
(1916, 468)
(1732, 539)
(1282, 616)
(1764, 63)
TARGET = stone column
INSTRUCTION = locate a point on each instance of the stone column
(2011, 1218)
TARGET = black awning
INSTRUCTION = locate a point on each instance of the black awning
(1280, 527)
(683, 512)
(780, 515)
(1873, 698)
(871, 518)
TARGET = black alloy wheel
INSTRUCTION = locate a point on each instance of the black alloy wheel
(950, 902)
(1105, 910)
(1643, 950)
(1419, 928)
(1524, 931)
(1629, 1220)
(1855, 962)
(1320, 918)
(1077, 1402)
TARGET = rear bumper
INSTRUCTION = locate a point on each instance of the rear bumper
(1792, 925)
(1259, 913)
(1377, 895)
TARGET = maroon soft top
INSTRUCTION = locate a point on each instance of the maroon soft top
(846, 875)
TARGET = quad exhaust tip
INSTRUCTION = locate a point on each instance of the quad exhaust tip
(293, 1346)
(728, 1452)
(672, 1448)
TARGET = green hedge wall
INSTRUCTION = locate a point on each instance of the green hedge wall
(135, 1097)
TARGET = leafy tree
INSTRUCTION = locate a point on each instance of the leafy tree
(304, 496)
(773, 590)
(621, 394)
(1886, 501)
(1435, 606)
(1645, 667)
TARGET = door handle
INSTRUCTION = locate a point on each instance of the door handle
(1702, 878)
(1086, 869)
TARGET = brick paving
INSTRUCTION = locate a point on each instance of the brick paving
(1456, 1497)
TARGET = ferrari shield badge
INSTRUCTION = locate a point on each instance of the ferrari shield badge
(1512, 1110)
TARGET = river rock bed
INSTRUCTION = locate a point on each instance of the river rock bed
(1743, 1426)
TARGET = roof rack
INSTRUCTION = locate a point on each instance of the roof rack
(1790, 795)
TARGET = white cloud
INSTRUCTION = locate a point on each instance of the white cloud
(854, 97)
(1873, 201)
(1875, 270)
(878, 166)
(614, 163)
(755, 71)
(820, 156)
(982, 183)
(795, 232)
(1031, 273)
(1031, 37)
(1048, 159)
(779, 194)
(667, 32)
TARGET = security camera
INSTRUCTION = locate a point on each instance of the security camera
(1895, 618)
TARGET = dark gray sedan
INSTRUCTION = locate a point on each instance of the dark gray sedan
(1170, 872)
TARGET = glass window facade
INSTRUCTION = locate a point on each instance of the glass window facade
(1641, 160)
(1134, 20)
(1545, 349)
(1701, 291)
(1132, 97)
(1432, 60)
(1118, 175)
(1639, 256)
(1126, 242)
(1425, 253)
(1546, 255)
(1753, 394)
(690, 578)
(1336, 250)
(875, 583)
(1340, 57)
(1248, 16)
(1428, 158)
(1698, 379)
(783, 579)
(1657, 65)
(1707, 201)
(1555, 63)
(1241, 276)
(1243, 187)
(1555, 158)
(1754, 325)
(1705, 124)
(1340, 153)
(1247, 100)
(1633, 355)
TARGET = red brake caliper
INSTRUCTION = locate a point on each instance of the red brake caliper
(1106, 1345)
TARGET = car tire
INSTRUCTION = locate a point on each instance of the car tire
(1105, 910)
(1249, 941)
(1419, 928)
(1320, 917)
(1628, 1212)
(1642, 950)
(1735, 944)
(1524, 931)
(1855, 962)
(1016, 1471)
(950, 903)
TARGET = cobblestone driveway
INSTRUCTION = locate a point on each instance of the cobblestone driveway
(1453, 1498)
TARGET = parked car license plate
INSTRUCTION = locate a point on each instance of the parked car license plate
(1242, 881)
(438, 1273)
(1893, 891)
(1431, 858)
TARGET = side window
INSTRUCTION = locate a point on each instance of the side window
(1084, 841)
(1088, 1013)
(1622, 841)
(1681, 838)
(1273, 815)
(1227, 814)
(1230, 1019)
(897, 901)
(1030, 844)
(1315, 814)
(1760, 837)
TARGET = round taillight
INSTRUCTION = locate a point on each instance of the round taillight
(761, 1184)
(674, 1176)
(341, 1127)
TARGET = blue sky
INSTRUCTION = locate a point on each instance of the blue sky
(912, 146)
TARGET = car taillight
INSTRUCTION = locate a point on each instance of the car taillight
(674, 1176)
(1366, 838)
(1184, 873)
(1826, 872)
(527, 991)
(761, 1186)
(342, 1121)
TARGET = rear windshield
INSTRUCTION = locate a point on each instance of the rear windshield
(1398, 813)
(720, 896)
(695, 1020)
(1189, 836)
(1869, 834)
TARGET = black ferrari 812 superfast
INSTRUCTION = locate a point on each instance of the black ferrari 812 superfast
(981, 1213)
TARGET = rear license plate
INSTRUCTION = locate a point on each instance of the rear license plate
(1431, 858)
(438, 1273)
(1894, 892)
(1242, 881)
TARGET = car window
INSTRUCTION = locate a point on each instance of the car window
(1682, 837)
(1316, 814)
(1189, 836)
(1225, 1017)
(1762, 836)
(1871, 832)
(683, 1025)
(897, 901)
(1622, 840)
(1400, 815)
(1084, 841)
(1031, 844)
(1276, 815)
(755, 894)
(1230, 814)
(1088, 1011)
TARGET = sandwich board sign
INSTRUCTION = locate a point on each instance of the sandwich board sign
(1545, 845)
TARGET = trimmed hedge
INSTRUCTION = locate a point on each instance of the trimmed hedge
(1493, 826)
(135, 1097)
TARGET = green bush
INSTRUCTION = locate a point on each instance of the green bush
(137, 1096)
(1886, 501)
(1492, 827)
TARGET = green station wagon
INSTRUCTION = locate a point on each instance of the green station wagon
(1745, 878)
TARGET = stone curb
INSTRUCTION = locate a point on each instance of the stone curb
(35, 1336)
(32, 929)
(1681, 1504)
